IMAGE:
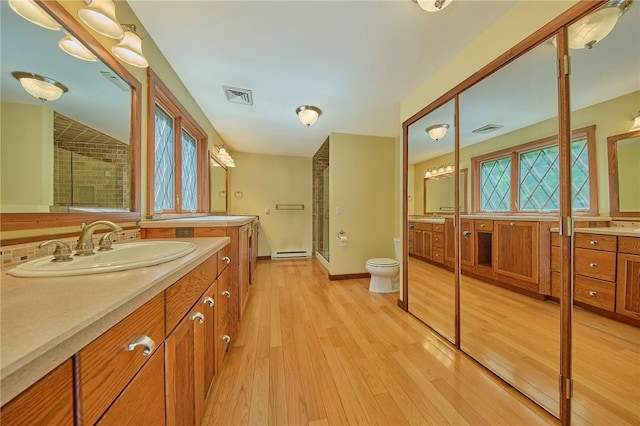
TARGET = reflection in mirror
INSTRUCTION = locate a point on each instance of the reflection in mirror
(505, 322)
(70, 154)
(438, 197)
(431, 282)
(606, 314)
(218, 192)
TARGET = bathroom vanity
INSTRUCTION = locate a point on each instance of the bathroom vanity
(99, 348)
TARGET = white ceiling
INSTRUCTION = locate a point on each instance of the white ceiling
(356, 60)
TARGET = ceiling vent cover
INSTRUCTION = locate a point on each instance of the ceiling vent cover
(487, 128)
(116, 80)
(238, 96)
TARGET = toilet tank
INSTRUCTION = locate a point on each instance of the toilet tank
(398, 248)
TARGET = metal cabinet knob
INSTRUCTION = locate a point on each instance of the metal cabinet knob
(466, 234)
(593, 242)
(482, 225)
(199, 316)
(593, 265)
(145, 341)
(208, 300)
(226, 338)
(512, 223)
(226, 294)
(593, 293)
(226, 259)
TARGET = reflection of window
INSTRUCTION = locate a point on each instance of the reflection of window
(526, 178)
(177, 168)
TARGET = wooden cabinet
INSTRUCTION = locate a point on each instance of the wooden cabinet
(628, 280)
(483, 247)
(467, 244)
(253, 246)
(516, 251)
(420, 240)
(49, 401)
(208, 305)
(244, 279)
(223, 301)
(437, 243)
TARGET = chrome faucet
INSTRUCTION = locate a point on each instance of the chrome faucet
(85, 242)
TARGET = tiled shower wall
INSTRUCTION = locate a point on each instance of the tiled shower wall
(320, 163)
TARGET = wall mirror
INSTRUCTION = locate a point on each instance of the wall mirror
(78, 154)
(218, 186)
(431, 281)
(606, 316)
(439, 199)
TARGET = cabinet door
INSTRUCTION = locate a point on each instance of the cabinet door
(427, 245)
(418, 242)
(466, 243)
(243, 273)
(254, 253)
(47, 402)
(142, 402)
(222, 326)
(207, 304)
(449, 241)
(515, 249)
(628, 285)
(185, 370)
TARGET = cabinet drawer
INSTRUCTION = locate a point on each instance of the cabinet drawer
(106, 364)
(224, 258)
(438, 240)
(629, 245)
(483, 225)
(595, 264)
(423, 226)
(438, 255)
(595, 292)
(597, 242)
(438, 227)
(183, 294)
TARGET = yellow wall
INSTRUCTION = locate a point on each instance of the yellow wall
(267, 180)
(629, 174)
(27, 157)
(361, 176)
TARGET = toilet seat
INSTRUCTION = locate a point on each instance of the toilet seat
(383, 262)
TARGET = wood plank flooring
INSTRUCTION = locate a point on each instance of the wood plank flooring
(316, 352)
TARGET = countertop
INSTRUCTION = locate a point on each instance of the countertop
(198, 222)
(613, 230)
(540, 218)
(44, 321)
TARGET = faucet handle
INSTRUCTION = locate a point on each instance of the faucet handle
(62, 252)
(105, 241)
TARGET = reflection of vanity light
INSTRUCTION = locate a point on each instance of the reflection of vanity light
(73, 47)
(33, 13)
(439, 172)
(100, 16)
(636, 123)
(129, 49)
(43, 88)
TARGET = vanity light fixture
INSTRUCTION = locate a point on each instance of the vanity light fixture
(437, 131)
(433, 5)
(73, 47)
(636, 123)
(129, 49)
(100, 16)
(308, 114)
(224, 157)
(38, 86)
(589, 30)
(439, 172)
(33, 13)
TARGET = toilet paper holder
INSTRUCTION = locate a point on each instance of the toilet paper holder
(342, 236)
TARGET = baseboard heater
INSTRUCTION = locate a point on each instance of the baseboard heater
(291, 254)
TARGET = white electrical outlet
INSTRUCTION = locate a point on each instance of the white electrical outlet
(338, 210)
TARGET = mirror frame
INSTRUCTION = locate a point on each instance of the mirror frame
(463, 208)
(226, 186)
(33, 221)
(612, 154)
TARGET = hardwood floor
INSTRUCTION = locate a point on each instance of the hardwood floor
(316, 352)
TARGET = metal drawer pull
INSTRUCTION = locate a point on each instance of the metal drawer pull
(593, 293)
(209, 300)
(199, 316)
(142, 340)
(226, 294)
(226, 338)
(466, 234)
(593, 242)
(482, 225)
(226, 259)
(593, 265)
(512, 223)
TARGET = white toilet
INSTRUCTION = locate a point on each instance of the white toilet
(385, 272)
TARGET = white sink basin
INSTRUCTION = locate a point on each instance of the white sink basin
(121, 258)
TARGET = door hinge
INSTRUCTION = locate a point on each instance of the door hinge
(569, 385)
(454, 221)
(566, 65)
(569, 226)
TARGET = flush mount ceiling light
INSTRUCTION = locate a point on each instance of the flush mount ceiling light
(308, 114)
(433, 5)
(43, 88)
(592, 28)
(73, 47)
(129, 49)
(636, 123)
(33, 13)
(100, 16)
(437, 131)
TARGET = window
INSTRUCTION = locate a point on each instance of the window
(526, 178)
(177, 168)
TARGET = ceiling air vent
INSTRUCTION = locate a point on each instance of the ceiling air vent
(116, 80)
(488, 128)
(238, 96)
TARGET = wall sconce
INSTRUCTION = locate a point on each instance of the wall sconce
(589, 30)
(308, 114)
(100, 16)
(439, 172)
(33, 13)
(433, 5)
(129, 49)
(41, 87)
(224, 157)
(636, 123)
(437, 131)
(73, 47)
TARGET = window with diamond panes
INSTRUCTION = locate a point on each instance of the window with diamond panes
(164, 162)
(189, 172)
(495, 185)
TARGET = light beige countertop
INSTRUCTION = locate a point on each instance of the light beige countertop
(199, 222)
(436, 220)
(613, 230)
(44, 321)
